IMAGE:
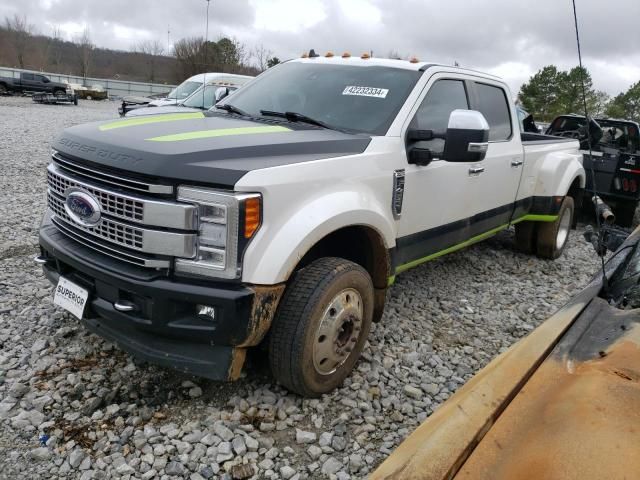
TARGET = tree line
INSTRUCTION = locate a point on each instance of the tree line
(21, 46)
(552, 92)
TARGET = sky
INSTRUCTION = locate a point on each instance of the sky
(510, 38)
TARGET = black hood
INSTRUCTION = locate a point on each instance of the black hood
(206, 148)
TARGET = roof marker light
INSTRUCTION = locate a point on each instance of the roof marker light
(365, 56)
(414, 60)
(304, 55)
(346, 55)
(329, 54)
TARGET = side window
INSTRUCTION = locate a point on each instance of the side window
(443, 97)
(493, 104)
(27, 76)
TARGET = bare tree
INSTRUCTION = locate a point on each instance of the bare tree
(20, 31)
(151, 49)
(188, 53)
(262, 55)
(84, 51)
(56, 46)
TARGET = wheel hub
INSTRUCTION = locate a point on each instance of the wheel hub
(563, 229)
(338, 331)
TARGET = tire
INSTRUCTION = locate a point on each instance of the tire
(57, 93)
(3, 89)
(552, 237)
(625, 215)
(305, 334)
(526, 237)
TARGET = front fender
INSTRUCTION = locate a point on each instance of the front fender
(278, 247)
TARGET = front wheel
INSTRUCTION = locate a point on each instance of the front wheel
(321, 326)
(552, 237)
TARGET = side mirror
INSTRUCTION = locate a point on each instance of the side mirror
(415, 135)
(467, 138)
(45, 80)
(221, 93)
(416, 154)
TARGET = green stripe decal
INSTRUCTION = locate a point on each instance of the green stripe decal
(455, 248)
(536, 218)
(223, 132)
(167, 117)
(530, 218)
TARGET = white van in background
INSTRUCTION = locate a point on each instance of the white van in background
(190, 85)
(203, 98)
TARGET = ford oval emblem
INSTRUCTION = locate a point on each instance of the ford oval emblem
(82, 207)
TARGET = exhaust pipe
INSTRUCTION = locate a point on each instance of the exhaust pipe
(603, 211)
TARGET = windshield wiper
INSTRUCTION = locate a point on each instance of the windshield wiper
(227, 107)
(298, 117)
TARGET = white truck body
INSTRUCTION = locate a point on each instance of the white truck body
(285, 218)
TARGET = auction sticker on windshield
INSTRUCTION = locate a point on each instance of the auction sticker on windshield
(71, 297)
(366, 91)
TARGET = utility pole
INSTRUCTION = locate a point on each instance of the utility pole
(206, 34)
(206, 41)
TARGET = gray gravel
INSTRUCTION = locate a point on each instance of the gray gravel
(73, 406)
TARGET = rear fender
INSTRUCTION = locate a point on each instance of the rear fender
(557, 173)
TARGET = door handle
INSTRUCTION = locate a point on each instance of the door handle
(475, 171)
(516, 163)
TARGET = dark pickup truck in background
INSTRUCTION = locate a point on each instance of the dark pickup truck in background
(614, 159)
(31, 82)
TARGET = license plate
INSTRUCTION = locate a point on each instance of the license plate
(71, 297)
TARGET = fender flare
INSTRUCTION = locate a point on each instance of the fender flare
(273, 255)
(558, 172)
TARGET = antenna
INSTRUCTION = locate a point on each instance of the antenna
(168, 37)
(595, 198)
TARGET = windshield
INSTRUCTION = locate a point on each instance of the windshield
(196, 98)
(358, 98)
(183, 90)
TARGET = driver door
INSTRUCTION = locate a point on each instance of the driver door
(435, 211)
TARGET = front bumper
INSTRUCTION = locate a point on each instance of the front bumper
(164, 327)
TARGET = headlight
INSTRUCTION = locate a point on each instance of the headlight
(226, 223)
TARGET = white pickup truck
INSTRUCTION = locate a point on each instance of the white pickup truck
(281, 218)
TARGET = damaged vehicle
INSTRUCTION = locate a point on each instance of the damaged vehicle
(281, 218)
(562, 403)
(615, 159)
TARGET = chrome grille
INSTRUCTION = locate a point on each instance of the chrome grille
(111, 203)
(113, 231)
(101, 247)
(126, 206)
(109, 178)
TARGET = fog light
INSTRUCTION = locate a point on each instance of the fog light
(206, 312)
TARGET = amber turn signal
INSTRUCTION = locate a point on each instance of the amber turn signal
(251, 216)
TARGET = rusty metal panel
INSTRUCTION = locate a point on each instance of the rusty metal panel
(265, 303)
(578, 417)
(438, 447)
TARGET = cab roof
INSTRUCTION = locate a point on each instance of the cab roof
(387, 62)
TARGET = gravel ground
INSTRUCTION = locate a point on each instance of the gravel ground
(73, 406)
